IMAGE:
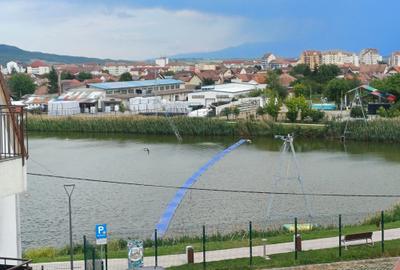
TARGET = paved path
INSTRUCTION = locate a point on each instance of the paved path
(218, 255)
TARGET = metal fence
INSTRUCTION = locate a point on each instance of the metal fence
(250, 244)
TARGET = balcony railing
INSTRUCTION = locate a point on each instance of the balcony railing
(13, 139)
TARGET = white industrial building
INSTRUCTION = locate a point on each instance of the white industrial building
(221, 93)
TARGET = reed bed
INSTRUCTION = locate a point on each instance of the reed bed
(161, 126)
(381, 130)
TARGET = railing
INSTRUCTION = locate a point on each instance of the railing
(13, 139)
(17, 264)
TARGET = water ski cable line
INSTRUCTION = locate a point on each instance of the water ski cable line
(261, 192)
(165, 220)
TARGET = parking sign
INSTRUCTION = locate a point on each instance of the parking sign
(101, 234)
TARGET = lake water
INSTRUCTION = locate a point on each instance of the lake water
(326, 166)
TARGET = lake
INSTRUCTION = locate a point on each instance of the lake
(133, 211)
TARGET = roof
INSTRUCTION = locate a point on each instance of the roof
(230, 87)
(132, 84)
(38, 63)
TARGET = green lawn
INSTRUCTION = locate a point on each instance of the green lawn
(216, 243)
(392, 249)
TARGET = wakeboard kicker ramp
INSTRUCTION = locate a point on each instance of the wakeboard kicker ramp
(165, 220)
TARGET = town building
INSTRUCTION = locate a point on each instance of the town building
(370, 56)
(311, 58)
(38, 68)
(168, 89)
(13, 155)
(117, 69)
(266, 60)
(162, 61)
(394, 59)
(339, 58)
(223, 93)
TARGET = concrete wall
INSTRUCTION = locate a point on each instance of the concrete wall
(12, 182)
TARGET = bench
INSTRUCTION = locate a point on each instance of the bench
(358, 236)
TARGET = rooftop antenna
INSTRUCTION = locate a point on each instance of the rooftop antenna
(288, 147)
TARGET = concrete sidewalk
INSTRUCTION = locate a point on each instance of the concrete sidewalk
(225, 254)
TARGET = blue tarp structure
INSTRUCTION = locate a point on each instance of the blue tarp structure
(169, 212)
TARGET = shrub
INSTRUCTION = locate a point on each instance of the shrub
(315, 115)
(43, 252)
(357, 112)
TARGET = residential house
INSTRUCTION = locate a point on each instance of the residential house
(162, 61)
(117, 69)
(214, 75)
(370, 56)
(286, 79)
(191, 79)
(38, 68)
(13, 155)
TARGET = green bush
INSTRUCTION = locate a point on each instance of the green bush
(43, 252)
(357, 112)
(315, 115)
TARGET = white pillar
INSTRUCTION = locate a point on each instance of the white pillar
(9, 227)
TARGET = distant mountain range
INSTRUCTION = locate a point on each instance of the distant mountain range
(12, 53)
(244, 51)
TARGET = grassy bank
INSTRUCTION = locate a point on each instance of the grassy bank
(161, 126)
(304, 258)
(117, 248)
(387, 130)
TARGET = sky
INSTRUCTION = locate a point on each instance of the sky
(143, 29)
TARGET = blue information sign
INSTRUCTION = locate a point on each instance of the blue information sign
(101, 233)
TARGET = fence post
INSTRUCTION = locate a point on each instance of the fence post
(84, 252)
(106, 254)
(155, 248)
(251, 243)
(383, 231)
(295, 238)
(94, 258)
(204, 247)
(340, 235)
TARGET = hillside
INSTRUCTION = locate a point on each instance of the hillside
(12, 53)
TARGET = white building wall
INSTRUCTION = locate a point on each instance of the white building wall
(12, 182)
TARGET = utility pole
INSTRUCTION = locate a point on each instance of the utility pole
(69, 189)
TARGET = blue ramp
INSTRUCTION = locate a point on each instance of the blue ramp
(169, 212)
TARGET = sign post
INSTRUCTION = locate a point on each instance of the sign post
(101, 234)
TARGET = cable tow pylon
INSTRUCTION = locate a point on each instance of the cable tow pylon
(288, 148)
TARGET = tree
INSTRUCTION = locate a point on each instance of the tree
(226, 112)
(21, 84)
(84, 76)
(53, 81)
(389, 84)
(208, 81)
(337, 88)
(275, 85)
(126, 76)
(296, 105)
(273, 107)
(300, 89)
(67, 76)
(169, 73)
(236, 111)
(325, 73)
(301, 69)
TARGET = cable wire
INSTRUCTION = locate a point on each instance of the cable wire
(93, 180)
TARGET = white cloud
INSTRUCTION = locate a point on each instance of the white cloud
(117, 32)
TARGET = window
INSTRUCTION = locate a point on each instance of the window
(197, 96)
(109, 92)
(167, 87)
(123, 92)
(139, 91)
(162, 88)
(131, 91)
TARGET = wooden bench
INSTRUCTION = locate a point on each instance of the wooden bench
(358, 236)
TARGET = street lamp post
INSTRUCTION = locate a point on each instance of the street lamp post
(69, 189)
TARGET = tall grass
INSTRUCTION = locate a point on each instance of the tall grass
(161, 126)
(384, 130)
